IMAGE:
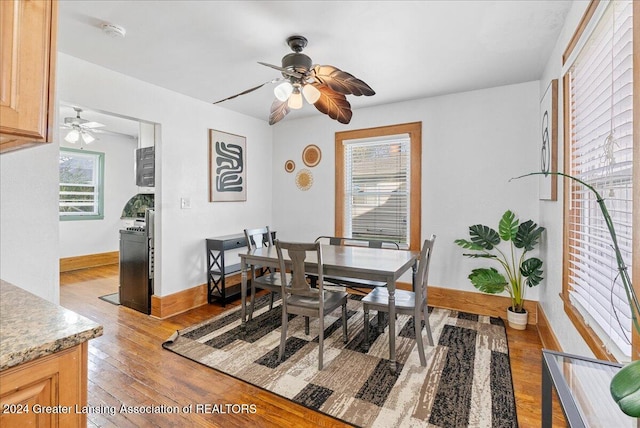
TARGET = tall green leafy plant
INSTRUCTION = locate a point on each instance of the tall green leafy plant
(521, 272)
(625, 385)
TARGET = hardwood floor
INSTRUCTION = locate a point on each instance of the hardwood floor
(127, 366)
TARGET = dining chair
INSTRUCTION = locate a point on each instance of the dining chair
(355, 283)
(300, 298)
(261, 277)
(406, 302)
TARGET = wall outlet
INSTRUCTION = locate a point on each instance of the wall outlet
(185, 203)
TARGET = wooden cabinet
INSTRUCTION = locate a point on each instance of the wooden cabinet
(47, 392)
(28, 31)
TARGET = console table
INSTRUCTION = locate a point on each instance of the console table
(582, 385)
(218, 273)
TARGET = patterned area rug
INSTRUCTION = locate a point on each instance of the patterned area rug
(467, 380)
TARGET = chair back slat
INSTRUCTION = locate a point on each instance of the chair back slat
(359, 242)
(258, 238)
(297, 252)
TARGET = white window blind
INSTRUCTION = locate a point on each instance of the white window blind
(80, 184)
(601, 154)
(377, 189)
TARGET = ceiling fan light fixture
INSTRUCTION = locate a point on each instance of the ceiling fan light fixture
(295, 100)
(73, 136)
(311, 93)
(283, 91)
(87, 138)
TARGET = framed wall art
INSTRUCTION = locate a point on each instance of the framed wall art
(227, 167)
(548, 184)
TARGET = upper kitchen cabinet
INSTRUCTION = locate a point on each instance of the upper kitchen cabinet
(27, 58)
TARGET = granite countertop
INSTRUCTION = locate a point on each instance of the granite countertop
(32, 327)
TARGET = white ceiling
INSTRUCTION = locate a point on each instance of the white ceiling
(403, 49)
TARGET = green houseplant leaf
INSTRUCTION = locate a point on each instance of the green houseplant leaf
(484, 236)
(488, 280)
(625, 388)
(527, 235)
(532, 270)
(468, 245)
(508, 226)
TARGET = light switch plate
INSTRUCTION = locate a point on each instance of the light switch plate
(185, 203)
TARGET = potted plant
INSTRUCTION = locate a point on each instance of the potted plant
(521, 272)
(625, 385)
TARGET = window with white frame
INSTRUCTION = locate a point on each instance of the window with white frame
(81, 184)
(377, 188)
(599, 129)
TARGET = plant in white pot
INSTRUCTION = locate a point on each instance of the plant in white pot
(521, 272)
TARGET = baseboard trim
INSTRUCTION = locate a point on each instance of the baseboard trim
(547, 336)
(177, 303)
(477, 303)
(459, 300)
(68, 264)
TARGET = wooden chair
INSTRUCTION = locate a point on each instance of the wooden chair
(262, 278)
(301, 299)
(406, 302)
(354, 283)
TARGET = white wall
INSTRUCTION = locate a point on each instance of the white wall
(472, 144)
(181, 165)
(29, 220)
(83, 237)
(551, 212)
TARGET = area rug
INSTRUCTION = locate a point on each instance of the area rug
(114, 298)
(467, 381)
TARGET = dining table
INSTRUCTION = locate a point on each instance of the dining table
(377, 264)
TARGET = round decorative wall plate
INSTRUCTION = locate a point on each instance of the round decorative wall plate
(289, 165)
(311, 155)
(304, 179)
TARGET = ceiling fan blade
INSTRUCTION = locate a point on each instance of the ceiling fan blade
(279, 109)
(91, 125)
(284, 70)
(333, 104)
(247, 91)
(341, 81)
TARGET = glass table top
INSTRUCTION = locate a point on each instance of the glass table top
(587, 381)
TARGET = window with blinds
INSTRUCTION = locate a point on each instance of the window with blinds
(600, 90)
(81, 177)
(377, 189)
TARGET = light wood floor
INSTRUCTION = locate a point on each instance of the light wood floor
(127, 365)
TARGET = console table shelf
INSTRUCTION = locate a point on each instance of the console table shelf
(218, 286)
(217, 272)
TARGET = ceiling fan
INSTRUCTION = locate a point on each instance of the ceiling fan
(324, 86)
(80, 128)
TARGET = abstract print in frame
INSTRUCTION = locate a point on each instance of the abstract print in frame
(548, 184)
(227, 167)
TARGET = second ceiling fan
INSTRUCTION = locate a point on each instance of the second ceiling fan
(324, 86)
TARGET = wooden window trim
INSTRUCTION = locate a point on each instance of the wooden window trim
(588, 14)
(414, 129)
(591, 339)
